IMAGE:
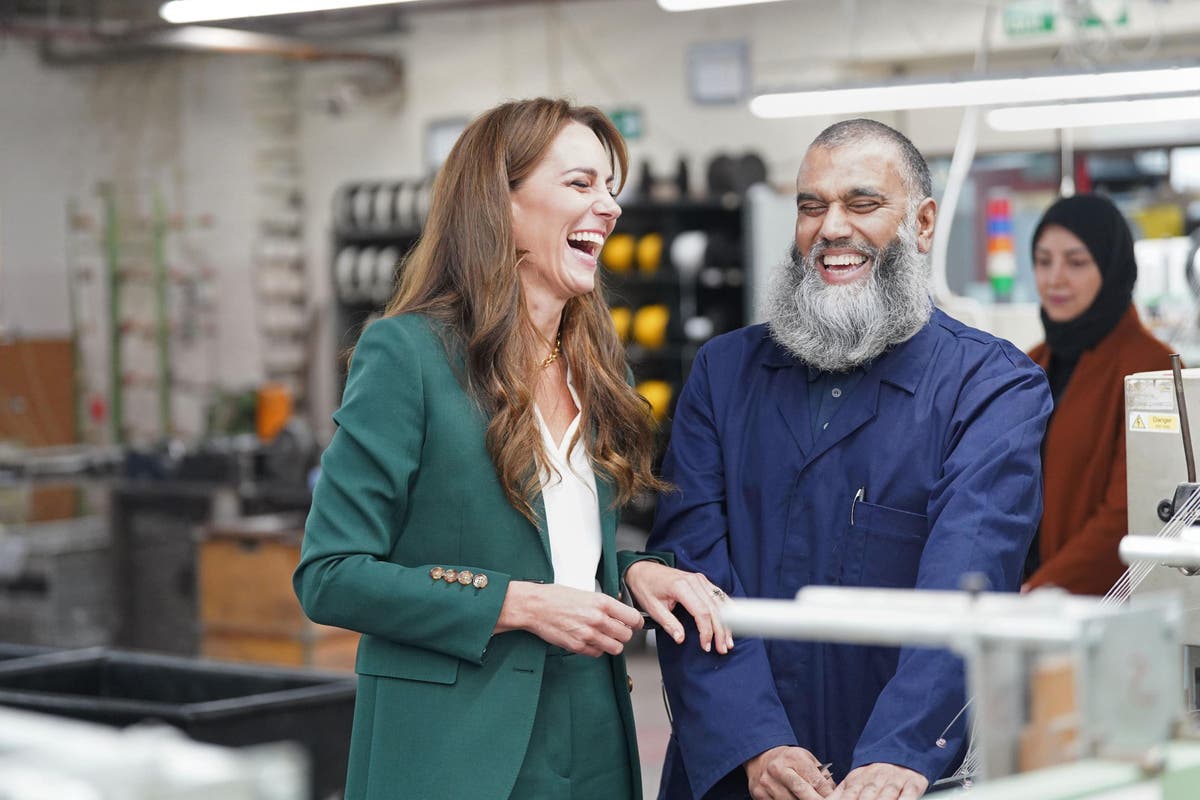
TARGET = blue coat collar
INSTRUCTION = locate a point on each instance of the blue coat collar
(902, 367)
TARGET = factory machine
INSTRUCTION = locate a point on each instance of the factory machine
(1081, 692)
(1161, 479)
(1071, 698)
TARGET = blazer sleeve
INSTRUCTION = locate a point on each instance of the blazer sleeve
(345, 577)
(983, 513)
(724, 709)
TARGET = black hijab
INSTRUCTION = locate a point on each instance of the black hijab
(1099, 225)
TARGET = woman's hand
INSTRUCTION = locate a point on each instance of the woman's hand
(589, 623)
(658, 589)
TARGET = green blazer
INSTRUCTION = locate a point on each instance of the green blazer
(408, 491)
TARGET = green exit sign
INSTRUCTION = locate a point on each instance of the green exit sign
(1029, 17)
(1117, 17)
(1040, 17)
(629, 122)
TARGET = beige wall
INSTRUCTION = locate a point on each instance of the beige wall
(187, 123)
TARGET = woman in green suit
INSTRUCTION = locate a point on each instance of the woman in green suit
(465, 516)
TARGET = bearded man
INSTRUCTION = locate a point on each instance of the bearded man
(860, 438)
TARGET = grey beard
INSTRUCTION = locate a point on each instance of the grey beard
(836, 328)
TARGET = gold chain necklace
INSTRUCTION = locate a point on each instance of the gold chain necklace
(550, 359)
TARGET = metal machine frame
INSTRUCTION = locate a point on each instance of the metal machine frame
(1125, 659)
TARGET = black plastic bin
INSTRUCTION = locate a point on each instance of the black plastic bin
(9, 651)
(225, 704)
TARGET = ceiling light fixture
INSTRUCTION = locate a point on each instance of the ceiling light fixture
(186, 11)
(229, 40)
(1078, 115)
(702, 5)
(976, 92)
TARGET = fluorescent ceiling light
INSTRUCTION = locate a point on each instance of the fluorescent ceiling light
(204, 38)
(700, 5)
(183, 11)
(977, 92)
(1077, 115)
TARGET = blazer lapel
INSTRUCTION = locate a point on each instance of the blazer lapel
(539, 511)
(608, 537)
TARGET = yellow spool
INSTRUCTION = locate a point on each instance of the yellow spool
(272, 410)
(650, 326)
(649, 253)
(617, 254)
(658, 395)
(621, 317)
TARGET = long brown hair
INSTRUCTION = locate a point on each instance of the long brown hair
(463, 272)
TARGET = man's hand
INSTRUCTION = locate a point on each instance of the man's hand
(787, 773)
(881, 782)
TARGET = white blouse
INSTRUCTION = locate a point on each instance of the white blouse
(572, 506)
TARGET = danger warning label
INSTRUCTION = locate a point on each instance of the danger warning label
(1153, 422)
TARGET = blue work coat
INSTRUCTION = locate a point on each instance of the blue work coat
(942, 436)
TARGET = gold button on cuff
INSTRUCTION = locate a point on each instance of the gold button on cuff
(479, 581)
(629, 683)
(465, 577)
(436, 573)
(450, 575)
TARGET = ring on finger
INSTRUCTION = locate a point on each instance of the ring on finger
(717, 593)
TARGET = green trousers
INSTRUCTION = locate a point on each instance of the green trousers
(577, 748)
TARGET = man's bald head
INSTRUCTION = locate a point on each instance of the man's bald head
(858, 131)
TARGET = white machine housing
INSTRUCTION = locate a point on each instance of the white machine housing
(1155, 466)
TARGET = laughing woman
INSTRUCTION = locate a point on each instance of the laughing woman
(465, 517)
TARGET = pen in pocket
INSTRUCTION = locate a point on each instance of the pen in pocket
(861, 494)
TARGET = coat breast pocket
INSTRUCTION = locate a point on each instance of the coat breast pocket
(883, 547)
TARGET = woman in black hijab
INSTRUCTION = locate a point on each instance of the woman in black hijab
(1084, 267)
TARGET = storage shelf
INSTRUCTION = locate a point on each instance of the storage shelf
(398, 236)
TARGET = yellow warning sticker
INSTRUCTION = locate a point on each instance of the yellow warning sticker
(1153, 422)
